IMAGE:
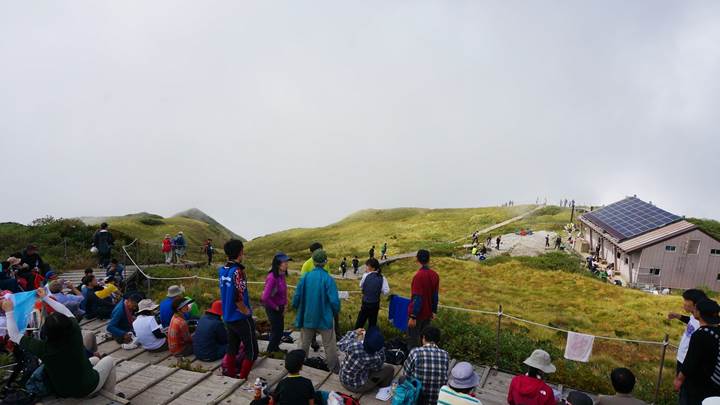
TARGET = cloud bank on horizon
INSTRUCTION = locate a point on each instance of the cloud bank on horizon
(272, 115)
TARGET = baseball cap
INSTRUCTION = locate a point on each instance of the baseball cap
(319, 256)
(282, 257)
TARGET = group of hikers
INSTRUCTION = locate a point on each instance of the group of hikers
(71, 365)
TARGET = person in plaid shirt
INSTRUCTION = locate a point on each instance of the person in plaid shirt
(364, 366)
(429, 364)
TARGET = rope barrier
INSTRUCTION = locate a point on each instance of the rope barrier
(476, 311)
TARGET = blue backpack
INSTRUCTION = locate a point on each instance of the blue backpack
(408, 392)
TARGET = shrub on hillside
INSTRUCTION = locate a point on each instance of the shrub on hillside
(151, 221)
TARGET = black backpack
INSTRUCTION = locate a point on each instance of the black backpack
(396, 351)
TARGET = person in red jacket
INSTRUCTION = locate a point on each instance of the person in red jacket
(424, 302)
(167, 249)
(529, 388)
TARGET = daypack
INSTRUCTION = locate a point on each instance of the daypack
(338, 398)
(395, 351)
(316, 363)
(408, 392)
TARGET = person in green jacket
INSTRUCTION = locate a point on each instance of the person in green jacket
(309, 265)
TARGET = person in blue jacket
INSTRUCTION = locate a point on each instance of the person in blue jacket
(210, 337)
(123, 315)
(317, 303)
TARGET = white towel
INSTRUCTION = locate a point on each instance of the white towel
(579, 347)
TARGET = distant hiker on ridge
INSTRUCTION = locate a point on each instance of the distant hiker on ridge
(383, 251)
(371, 253)
(103, 242)
(355, 264)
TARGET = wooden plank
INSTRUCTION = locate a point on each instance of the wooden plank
(271, 370)
(122, 354)
(142, 380)
(152, 357)
(497, 382)
(172, 360)
(318, 377)
(128, 368)
(95, 324)
(333, 384)
(209, 391)
(170, 388)
(109, 347)
(210, 366)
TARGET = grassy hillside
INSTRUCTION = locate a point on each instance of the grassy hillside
(404, 229)
(196, 214)
(709, 226)
(546, 289)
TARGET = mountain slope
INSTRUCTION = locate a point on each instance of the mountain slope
(194, 213)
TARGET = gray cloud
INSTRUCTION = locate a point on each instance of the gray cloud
(270, 115)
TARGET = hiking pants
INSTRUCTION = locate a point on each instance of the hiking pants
(329, 343)
(105, 368)
(368, 312)
(242, 331)
(277, 327)
(380, 378)
(414, 333)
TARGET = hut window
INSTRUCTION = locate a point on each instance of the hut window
(669, 248)
(715, 252)
(693, 247)
(655, 272)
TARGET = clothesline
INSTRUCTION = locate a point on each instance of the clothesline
(494, 313)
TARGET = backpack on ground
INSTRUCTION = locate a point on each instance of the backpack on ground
(338, 398)
(395, 351)
(317, 363)
(408, 392)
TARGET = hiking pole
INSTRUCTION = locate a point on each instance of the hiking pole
(497, 338)
(662, 364)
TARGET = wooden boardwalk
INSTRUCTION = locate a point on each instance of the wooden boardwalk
(153, 378)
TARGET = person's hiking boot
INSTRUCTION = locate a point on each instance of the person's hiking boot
(229, 367)
(245, 368)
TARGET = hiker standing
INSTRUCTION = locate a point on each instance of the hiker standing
(425, 295)
(103, 242)
(209, 250)
(475, 238)
(488, 242)
(690, 299)
(167, 248)
(179, 245)
(371, 253)
(383, 251)
(547, 240)
(497, 242)
(372, 285)
(317, 304)
(274, 298)
(355, 264)
(343, 266)
(307, 267)
(558, 242)
(237, 312)
(697, 378)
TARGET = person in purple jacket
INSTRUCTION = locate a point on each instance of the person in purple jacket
(274, 298)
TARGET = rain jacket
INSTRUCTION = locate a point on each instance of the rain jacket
(316, 300)
(525, 390)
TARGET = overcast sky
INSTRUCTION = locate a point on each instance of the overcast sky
(269, 115)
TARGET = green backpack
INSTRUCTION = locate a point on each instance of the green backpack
(408, 392)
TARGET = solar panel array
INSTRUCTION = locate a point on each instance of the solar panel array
(630, 217)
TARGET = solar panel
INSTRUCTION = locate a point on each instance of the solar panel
(630, 217)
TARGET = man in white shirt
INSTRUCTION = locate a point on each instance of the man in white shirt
(149, 334)
(690, 297)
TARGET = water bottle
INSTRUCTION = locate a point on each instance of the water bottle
(258, 388)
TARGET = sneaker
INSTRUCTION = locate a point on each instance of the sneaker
(129, 346)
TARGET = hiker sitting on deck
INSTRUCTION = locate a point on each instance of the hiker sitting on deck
(429, 364)
(210, 338)
(149, 333)
(461, 383)
(71, 301)
(67, 369)
(293, 389)
(121, 320)
(94, 306)
(179, 338)
(529, 388)
(364, 366)
(623, 381)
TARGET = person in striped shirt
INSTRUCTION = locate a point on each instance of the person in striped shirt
(461, 384)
